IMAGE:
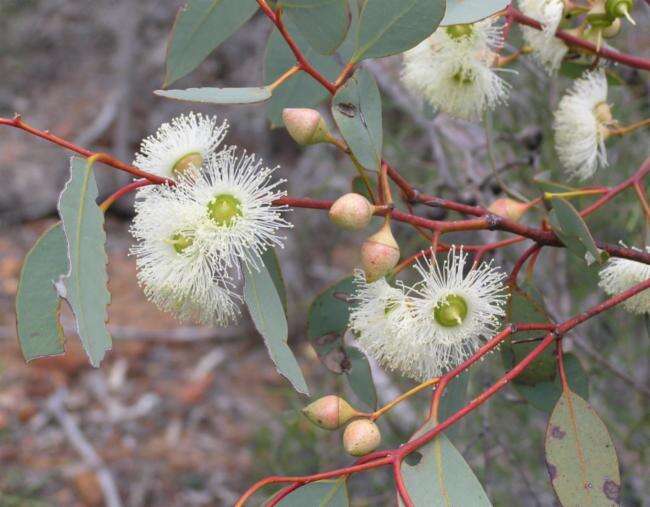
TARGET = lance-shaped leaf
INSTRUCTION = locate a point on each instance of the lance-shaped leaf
(267, 312)
(37, 302)
(319, 494)
(437, 475)
(387, 27)
(580, 455)
(460, 12)
(301, 90)
(571, 229)
(84, 287)
(199, 28)
(356, 108)
(324, 23)
(270, 260)
(248, 95)
(359, 377)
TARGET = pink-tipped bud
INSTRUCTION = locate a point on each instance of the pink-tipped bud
(361, 437)
(352, 211)
(508, 208)
(329, 412)
(305, 126)
(379, 253)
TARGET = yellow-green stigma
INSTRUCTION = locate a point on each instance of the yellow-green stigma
(451, 311)
(224, 209)
(187, 161)
(180, 242)
(463, 77)
(459, 31)
(390, 306)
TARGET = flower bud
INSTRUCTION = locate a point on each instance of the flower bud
(329, 412)
(305, 126)
(361, 437)
(508, 208)
(379, 253)
(620, 8)
(351, 211)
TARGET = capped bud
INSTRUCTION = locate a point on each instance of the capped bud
(305, 126)
(379, 253)
(508, 208)
(361, 437)
(329, 412)
(351, 211)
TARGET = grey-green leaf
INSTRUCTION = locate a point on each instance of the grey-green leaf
(248, 95)
(356, 108)
(199, 28)
(270, 260)
(301, 90)
(324, 23)
(318, 494)
(460, 12)
(387, 27)
(84, 287)
(441, 477)
(580, 455)
(265, 307)
(359, 377)
(37, 302)
(571, 229)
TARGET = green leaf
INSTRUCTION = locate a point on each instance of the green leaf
(580, 455)
(37, 302)
(453, 399)
(318, 494)
(199, 28)
(359, 377)
(544, 395)
(356, 108)
(324, 23)
(460, 12)
(359, 187)
(265, 307)
(387, 27)
(248, 95)
(546, 185)
(84, 287)
(575, 70)
(330, 310)
(572, 231)
(270, 260)
(441, 477)
(527, 306)
(301, 90)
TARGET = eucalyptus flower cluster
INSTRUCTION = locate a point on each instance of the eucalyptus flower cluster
(424, 330)
(214, 217)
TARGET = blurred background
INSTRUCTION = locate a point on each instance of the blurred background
(189, 416)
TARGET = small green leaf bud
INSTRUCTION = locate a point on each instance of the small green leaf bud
(351, 211)
(305, 126)
(361, 437)
(379, 253)
(329, 412)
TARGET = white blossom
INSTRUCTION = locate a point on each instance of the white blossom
(547, 49)
(581, 125)
(173, 272)
(622, 274)
(189, 139)
(453, 69)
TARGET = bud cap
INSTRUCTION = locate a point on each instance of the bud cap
(329, 412)
(508, 208)
(361, 437)
(352, 211)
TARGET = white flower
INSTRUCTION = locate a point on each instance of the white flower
(452, 69)
(434, 326)
(454, 309)
(622, 274)
(379, 315)
(174, 274)
(548, 49)
(581, 125)
(187, 141)
(232, 199)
